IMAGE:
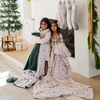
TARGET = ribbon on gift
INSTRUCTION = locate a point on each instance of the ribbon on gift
(21, 45)
(7, 42)
(15, 37)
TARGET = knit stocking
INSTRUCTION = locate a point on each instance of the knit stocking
(59, 15)
(69, 7)
(64, 11)
(74, 13)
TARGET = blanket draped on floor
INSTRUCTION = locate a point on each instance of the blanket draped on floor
(34, 67)
(58, 82)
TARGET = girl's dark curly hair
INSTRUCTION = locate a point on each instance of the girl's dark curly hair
(58, 29)
(46, 20)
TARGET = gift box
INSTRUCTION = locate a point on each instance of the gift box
(1, 44)
(18, 45)
(7, 43)
(21, 45)
(14, 45)
(15, 38)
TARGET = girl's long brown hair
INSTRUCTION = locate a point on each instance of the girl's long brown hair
(45, 19)
(58, 29)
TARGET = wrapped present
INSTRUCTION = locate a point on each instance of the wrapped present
(18, 45)
(22, 39)
(15, 38)
(21, 45)
(1, 44)
(14, 45)
(24, 45)
(7, 43)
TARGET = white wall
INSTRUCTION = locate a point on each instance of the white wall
(81, 63)
(44, 8)
(26, 19)
(27, 9)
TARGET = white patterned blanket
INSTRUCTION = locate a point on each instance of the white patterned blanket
(58, 83)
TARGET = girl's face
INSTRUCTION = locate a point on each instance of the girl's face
(44, 25)
(54, 27)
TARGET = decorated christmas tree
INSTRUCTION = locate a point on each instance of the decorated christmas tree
(9, 16)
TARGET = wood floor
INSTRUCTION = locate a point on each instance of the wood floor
(93, 82)
(20, 55)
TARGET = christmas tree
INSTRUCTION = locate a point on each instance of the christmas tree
(9, 16)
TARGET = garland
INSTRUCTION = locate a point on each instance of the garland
(28, 0)
(94, 35)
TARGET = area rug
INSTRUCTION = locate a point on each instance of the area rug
(10, 92)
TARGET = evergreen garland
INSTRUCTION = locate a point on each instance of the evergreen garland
(95, 29)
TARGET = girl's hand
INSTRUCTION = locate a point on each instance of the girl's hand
(42, 36)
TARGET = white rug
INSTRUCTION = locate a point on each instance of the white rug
(10, 67)
(10, 97)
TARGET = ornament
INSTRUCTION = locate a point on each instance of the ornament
(17, 14)
(11, 19)
(94, 20)
(13, 29)
(13, 24)
(6, 24)
(6, 8)
(2, 8)
(5, 2)
(97, 19)
(95, 6)
(6, 18)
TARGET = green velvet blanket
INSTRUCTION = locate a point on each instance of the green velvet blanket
(31, 63)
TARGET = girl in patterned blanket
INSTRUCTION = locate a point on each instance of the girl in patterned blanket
(56, 36)
(57, 82)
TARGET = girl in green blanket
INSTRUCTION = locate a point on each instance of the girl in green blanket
(44, 35)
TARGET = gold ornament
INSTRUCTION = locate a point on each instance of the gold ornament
(94, 20)
(97, 19)
(95, 6)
